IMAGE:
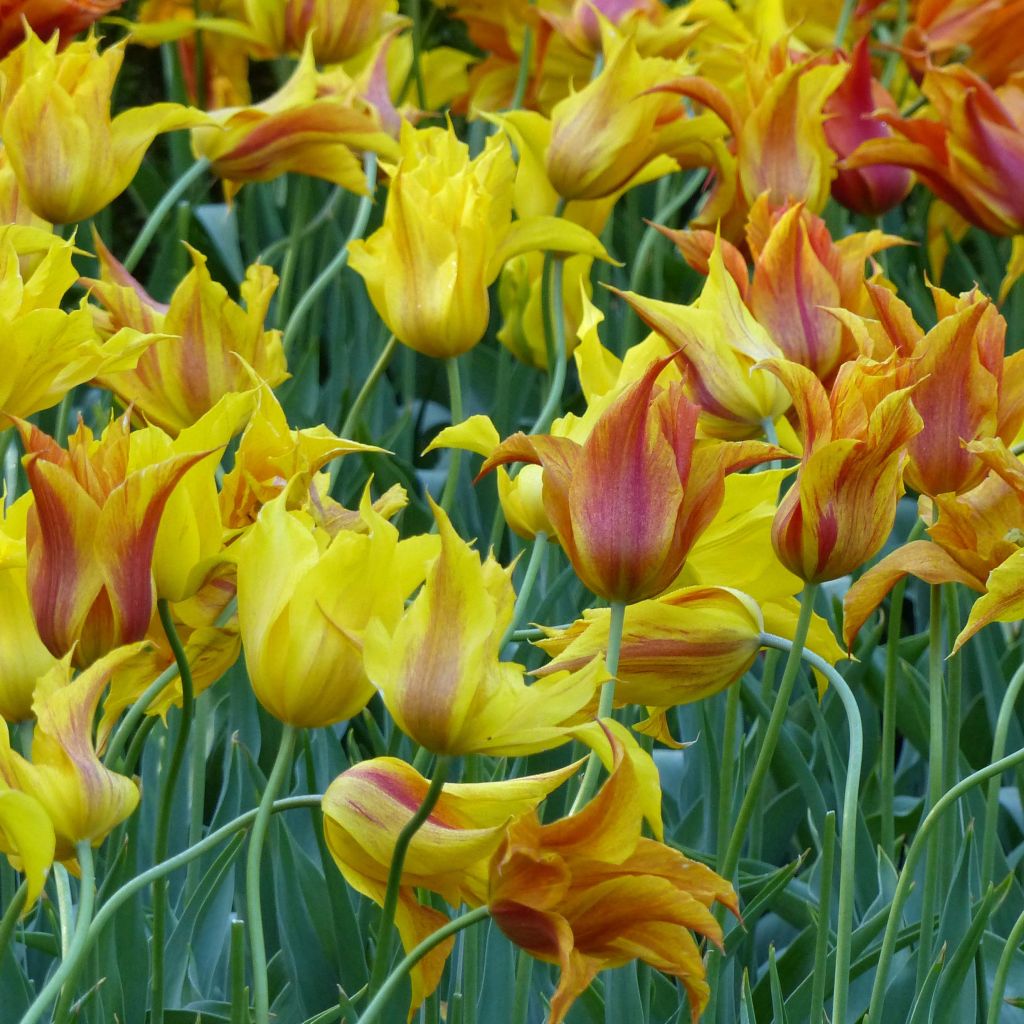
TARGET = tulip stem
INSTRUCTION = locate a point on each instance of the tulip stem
(523, 77)
(554, 319)
(1010, 948)
(313, 292)
(906, 879)
(352, 419)
(168, 789)
(394, 979)
(727, 775)
(845, 14)
(604, 708)
(848, 839)
(382, 956)
(451, 484)
(417, 53)
(540, 545)
(160, 211)
(253, 903)
(771, 736)
(65, 973)
(10, 919)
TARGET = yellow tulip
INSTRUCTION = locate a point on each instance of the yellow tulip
(26, 838)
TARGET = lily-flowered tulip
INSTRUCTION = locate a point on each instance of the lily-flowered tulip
(70, 157)
(26, 838)
(47, 17)
(439, 672)
(367, 806)
(849, 110)
(45, 350)
(297, 130)
(628, 504)
(91, 534)
(83, 799)
(23, 655)
(589, 892)
(304, 599)
(841, 508)
(213, 345)
(447, 232)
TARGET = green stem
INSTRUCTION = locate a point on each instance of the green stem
(523, 77)
(555, 319)
(451, 484)
(352, 419)
(1010, 949)
(521, 998)
(616, 622)
(298, 213)
(905, 882)
(752, 796)
(382, 957)
(540, 543)
(844, 22)
(326, 276)
(253, 902)
(417, 51)
(394, 979)
(69, 965)
(168, 789)
(727, 775)
(887, 754)
(160, 211)
(828, 849)
(136, 713)
(848, 839)
(325, 214)
(10, 919)
(988, 844)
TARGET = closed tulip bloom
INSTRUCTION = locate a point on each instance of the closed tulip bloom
(83, 799)
(70, 157)
(26, 838)
(841, 508)
(439, 672)
(630, 501)
(212, 345)
(367, 806)
(304, 599)
(47, 17)
(91, 534)
(447, 232)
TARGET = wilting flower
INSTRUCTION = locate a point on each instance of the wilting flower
(91, 534)
(83, 799)
(213, 345)
(304, 599)
(367, 806)
(628, 504)
(447, 232)
(70, 158)
(841, 508)
(26, 838)
(438, 667)
(849, 110)
(47, 17)
(589, 892)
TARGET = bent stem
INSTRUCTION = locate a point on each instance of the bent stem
(168, 788)
(848, 839)
(70, 964)
(617, 620)
(366, 390)
(382, 957)
(394, 979)
(1013, 943)
(905, 882)
(253, 903)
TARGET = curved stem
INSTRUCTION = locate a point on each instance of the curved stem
(382, 957)
(253, 903)
(79, 943)
(848, 839)
(168, 789)
(1013, 943)
(313, 292)
(10, 919)
(615, 624)
(366, 390)
(298, 209)
(771, 736)
(555, 320)
(540, 544)
(905, 882)
(988, 844)
(451, 484)
(136, 713)
(160, 211)
(394, 979)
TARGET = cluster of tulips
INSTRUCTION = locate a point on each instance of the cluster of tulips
(691, 479)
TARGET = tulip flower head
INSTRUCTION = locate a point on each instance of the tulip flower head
(27, 838)
(46, 18)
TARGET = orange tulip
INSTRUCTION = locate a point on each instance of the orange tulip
(628, 504)
(45, 17)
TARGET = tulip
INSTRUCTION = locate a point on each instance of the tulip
(304, 600)
(438, 669)
(628, 504)
(367, 806)
(447, 232)
(91, 534)
(26, 839)
(52, 102)
(48, 17)
(83, 800)
(841, 508)
(213, 345)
